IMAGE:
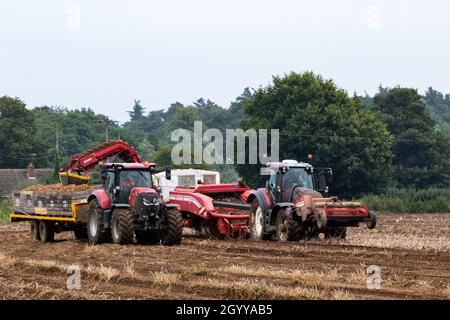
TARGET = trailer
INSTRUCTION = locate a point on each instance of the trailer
(212, 209)
(52, 212)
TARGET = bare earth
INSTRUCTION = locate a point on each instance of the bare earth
(413, 252)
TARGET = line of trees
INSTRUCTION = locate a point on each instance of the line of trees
(397, 138)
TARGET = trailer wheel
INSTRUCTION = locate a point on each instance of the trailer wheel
(46, 231)
(96, 231)
(372, 223)
(34, 230)
(148, 237)
(257, 222)
(122, 226)
(174, 227)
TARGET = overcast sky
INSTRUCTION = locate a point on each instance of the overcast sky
(104, 54)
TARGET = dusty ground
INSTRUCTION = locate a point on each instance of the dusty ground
(413, 252)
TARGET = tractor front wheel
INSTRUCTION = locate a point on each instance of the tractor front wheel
(174, 227)
(96, 232)
(122, 226)
(257, 222)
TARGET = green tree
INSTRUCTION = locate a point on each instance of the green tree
(138, 111)
(403, 109)
(57, 167)
(145, 149)
(236, 110)
(79, 130)
(163, 160)
(19, 143)
(314, 116)
(183, 118)
(439, 106)
(421, 154)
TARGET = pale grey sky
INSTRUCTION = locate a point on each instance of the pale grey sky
(104, 54)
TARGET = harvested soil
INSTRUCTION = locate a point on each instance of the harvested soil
(412, 252)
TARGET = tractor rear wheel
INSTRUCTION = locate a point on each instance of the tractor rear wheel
(122, 226)
(295, 229)
(34, 230)
(96, 232)
(174, 227)
(147, 237)
(46, 231)
(257, 222)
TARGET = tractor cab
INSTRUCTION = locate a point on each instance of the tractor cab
(120, 178)
(289, 179)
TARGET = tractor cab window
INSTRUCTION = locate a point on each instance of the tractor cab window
(130, 179)
(109, 183)
(294, 179)
(272, 183)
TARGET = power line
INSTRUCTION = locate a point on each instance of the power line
(27, 158)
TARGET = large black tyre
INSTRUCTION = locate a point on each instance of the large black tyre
(174, 227)
(372, 223)
(122, 226)
(287, 227)
(256, 222)
(96, 231)
(46, 231)
(80, 233)
(34, 230)
(147, 237)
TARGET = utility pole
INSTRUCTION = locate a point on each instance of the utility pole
(57, 140)
(107, 123)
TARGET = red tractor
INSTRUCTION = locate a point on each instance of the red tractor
(292, 206)
(129, 206)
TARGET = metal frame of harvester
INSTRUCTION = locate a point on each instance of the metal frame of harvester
(215, 210)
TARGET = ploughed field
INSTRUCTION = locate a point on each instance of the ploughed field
(412, 251)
